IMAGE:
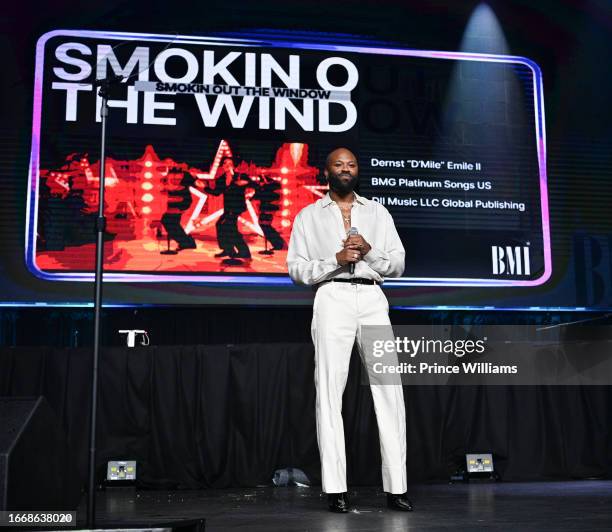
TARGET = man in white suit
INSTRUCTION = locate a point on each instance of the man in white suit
(347, 270)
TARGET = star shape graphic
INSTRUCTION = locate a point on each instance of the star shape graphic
(317, 190)
(194, 222)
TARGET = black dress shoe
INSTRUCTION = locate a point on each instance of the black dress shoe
(399, 502)
(338, 502)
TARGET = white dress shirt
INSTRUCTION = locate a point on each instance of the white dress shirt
(317, 234)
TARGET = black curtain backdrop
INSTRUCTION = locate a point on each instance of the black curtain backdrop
(229, 415)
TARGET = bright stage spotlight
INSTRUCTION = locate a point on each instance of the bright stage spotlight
(483, 33)
(478, 92)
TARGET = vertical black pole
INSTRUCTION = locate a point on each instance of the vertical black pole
(100, 228)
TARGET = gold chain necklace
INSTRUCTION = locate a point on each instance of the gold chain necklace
(347, 219)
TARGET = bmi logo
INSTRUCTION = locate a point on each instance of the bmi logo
(511, 260)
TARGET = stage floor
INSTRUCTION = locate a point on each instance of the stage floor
(576, 505)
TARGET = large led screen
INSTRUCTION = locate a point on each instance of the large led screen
(215, 138)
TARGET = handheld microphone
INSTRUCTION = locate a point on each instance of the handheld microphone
(352, 231)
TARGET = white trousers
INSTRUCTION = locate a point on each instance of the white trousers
(339, 311)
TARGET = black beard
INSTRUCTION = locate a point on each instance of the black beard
(341, 187)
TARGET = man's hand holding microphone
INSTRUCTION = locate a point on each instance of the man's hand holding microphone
(354, 249)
